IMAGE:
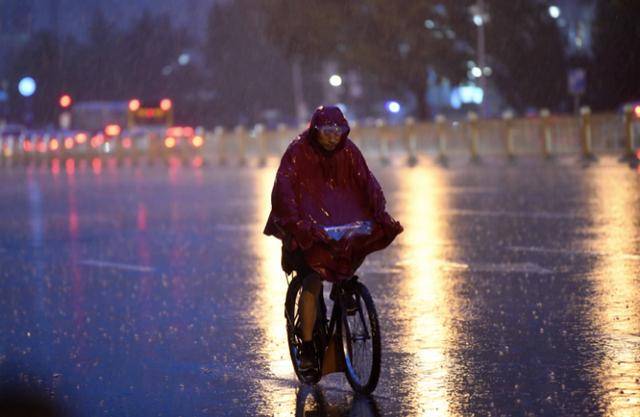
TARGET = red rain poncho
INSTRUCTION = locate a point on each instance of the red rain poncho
(315, 188)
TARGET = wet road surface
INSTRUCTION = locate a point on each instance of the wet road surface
(514, 290)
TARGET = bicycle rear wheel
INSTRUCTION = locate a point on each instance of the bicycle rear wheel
(294, 330)
(360, 334)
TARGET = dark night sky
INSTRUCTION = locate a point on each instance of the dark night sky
(76, 15)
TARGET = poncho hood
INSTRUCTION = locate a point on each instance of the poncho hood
(324, 116)
(315, 188)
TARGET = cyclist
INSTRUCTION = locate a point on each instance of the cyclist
(323, 180)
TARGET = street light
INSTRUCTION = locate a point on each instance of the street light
(393, 106)
(480, 18)
(554, 12)
(27, 86)
(335, 80)
(184, 59)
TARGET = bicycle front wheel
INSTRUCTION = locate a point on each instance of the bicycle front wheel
(360, 334)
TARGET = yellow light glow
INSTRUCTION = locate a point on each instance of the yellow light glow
(166, 104)
(272, 289)
(170, 142)
(615, 210)
(112, 130)
(425, 291)
(134, 105)
(197, 141)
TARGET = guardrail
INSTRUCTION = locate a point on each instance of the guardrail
(547, 135)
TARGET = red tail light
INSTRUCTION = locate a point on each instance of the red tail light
(97, 141)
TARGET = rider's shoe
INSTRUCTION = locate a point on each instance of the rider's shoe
(308, 361)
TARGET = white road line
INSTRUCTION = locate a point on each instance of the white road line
(524, 214)
(524, 267)
(629, 256)
(507, 267)
(115, 265)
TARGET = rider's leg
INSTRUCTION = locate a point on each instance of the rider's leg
(311, 288)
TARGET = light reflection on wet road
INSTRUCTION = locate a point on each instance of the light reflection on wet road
(151, 291)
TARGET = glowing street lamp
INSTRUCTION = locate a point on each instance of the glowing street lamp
(554, 12)
(335, 80)
(27, 86)
(393, 106)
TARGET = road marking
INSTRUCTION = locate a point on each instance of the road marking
(524, 214)
(115, 265)
(509, 267)
(628, 256)
(523, 267)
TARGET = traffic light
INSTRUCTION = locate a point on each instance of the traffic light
(65, 101)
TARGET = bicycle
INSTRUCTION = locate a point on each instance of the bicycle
(352, 334)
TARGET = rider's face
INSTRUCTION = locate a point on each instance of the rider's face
(329, 137)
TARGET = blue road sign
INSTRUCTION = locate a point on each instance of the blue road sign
(577, 81)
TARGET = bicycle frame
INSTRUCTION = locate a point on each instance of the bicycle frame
(334, 328)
